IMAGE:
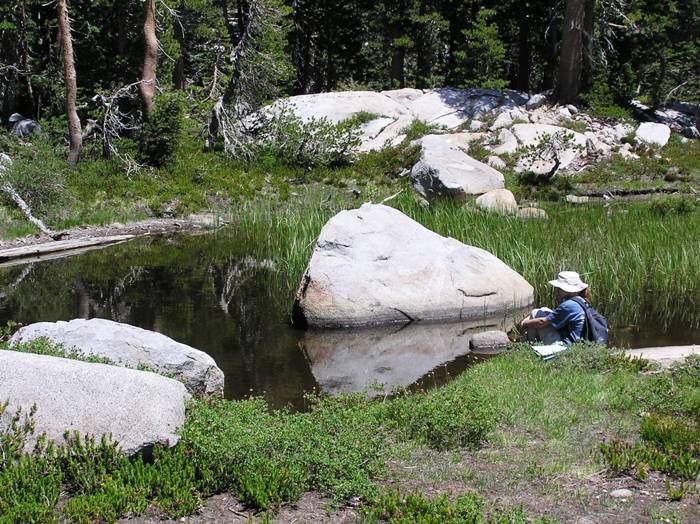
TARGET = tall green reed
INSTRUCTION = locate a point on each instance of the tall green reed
(640, 266)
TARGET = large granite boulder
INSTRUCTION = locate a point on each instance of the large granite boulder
(131, 346)
(137, 408)
(653, 134)
(375, 265)
(445, 170)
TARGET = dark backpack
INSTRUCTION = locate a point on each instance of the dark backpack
(595, 328)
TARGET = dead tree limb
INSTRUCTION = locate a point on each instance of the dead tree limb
(6, 187)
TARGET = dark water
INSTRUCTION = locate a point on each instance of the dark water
(210, 293)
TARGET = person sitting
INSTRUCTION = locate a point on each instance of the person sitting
(566, 323)
(24, 127)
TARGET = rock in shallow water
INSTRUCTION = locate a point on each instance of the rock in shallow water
(375, 265)
(137, 408)
(489, 342)
(131, 346)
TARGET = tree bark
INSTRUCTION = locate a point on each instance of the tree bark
(150, 59)
(424, 58)
(75, 134)
(588, 34)
(570, 59)
(179, 80)
(524, 52)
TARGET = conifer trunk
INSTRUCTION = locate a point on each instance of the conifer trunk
(150, 58)
(571, 57)
(75, 135)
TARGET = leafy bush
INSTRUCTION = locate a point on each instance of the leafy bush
(283, 136)
(673, 206)
(161, 130)
(587, 357)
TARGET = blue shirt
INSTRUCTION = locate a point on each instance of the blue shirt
(568, 319)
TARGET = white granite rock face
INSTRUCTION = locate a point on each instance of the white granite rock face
(131, 346)
(138, 408)
(375, 265)
(447, 171)
(443, 107)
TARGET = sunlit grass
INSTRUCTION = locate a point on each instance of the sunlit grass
(639, 265)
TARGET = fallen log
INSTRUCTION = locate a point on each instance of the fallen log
(38, 250)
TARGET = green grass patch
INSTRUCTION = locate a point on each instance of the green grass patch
(340, 446)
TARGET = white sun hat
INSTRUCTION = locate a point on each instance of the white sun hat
(569, 281)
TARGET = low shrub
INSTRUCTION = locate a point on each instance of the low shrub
(470, 508)
(585, 357)
(673, 206)
(161, 130)
(283, 137)
(668, 445)
(446, 418)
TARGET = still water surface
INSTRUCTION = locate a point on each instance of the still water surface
(208, 292)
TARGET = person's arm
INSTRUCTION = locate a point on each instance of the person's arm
(535, 322)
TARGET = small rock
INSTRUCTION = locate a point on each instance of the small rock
(536, 101)
(489, 342)
(445, 170)
(139, 409)
(528, 213)
(622, 493)
(691, 132)
(476, 125)
(496, 162)
(572, 109)
(508, 143)
(131, 346)
(573, 199)
(625, 152)
(502, 121)
(654, 134)
(498, 201)
(564, 112)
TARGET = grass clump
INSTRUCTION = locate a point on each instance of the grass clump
(470, 508)
(418, 129)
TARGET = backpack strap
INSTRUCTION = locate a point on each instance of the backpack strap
(583, 303)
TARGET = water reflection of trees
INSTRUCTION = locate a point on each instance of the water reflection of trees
(202, 291)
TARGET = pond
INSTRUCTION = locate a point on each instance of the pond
(208, 292)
